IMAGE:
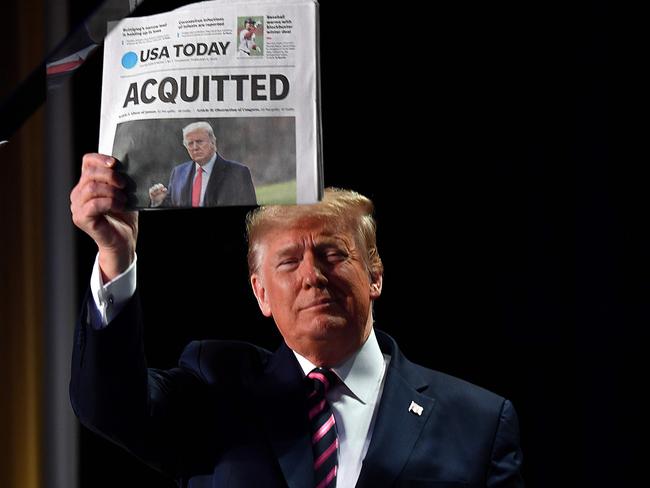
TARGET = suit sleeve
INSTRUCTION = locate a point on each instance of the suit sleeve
(245, 188)
(505, 461)
(114, 394)
(169, 199)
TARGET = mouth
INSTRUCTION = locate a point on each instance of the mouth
(319, 303)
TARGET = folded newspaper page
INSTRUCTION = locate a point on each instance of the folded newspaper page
(215, 104)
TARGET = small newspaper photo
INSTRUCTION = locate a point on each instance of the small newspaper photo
(215, 104)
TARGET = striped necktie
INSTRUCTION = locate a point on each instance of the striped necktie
(324, 440)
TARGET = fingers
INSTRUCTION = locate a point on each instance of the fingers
(88, 202)
(157, 189)
(98, 192)
(99, 167)
(157, 194)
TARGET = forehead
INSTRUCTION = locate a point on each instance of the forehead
(306, 231)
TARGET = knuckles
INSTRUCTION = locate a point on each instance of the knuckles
(92, 160)
(97, 192)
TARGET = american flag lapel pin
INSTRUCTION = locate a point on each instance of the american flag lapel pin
(415, 408)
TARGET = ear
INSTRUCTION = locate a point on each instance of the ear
(260, 293)
(376, 281)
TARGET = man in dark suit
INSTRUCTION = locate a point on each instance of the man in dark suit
(207, 180)
(337, 405)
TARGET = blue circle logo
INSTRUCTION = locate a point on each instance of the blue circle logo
(129, 60)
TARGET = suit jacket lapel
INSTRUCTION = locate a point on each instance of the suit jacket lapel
(396, 428)
(284, 417)
(214, 183)
(187, 178)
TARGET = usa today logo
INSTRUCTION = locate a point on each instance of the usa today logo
(129, 60)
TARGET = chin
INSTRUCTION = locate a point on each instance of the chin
(324, 327)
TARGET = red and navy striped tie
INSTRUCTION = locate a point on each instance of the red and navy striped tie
(325, 442)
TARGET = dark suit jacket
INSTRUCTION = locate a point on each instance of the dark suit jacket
(233, 415)
(230, 184)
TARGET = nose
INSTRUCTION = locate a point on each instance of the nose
(312, 273)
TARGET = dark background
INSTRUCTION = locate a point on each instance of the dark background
(512, 224)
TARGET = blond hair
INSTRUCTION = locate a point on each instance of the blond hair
(194, 126)
(340, 207)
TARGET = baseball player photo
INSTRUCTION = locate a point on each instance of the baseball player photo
(249, 42)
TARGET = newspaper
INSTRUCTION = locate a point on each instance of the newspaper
(215, 104)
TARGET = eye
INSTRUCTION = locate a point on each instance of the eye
(287, 263)
(335, 255)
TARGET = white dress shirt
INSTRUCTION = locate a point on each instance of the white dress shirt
(354, 402)
(110, 297)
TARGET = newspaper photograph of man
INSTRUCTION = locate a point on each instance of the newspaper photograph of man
(207, 179)
(208, 162)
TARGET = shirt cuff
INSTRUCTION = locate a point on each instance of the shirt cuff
(109, 298)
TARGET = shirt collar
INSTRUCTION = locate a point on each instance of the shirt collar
(361, 372)
(208, 166)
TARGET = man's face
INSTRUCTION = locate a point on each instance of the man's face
(250, 26)
(314, 282)
(199, 146)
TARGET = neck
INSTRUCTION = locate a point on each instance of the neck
(206, 161)
(328, 352)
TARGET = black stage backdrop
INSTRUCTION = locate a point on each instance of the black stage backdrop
(508, 222)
